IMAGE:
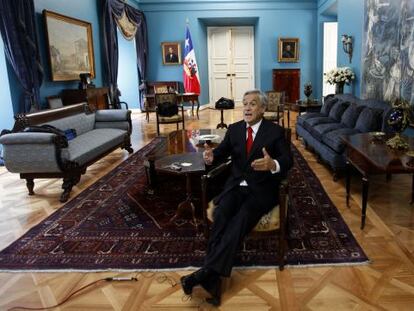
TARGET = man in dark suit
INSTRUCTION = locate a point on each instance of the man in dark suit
(171, 57)
(260, 157)
(288, 51)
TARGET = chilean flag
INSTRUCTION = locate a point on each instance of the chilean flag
(191, 77)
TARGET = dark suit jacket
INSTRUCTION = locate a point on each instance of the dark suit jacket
(171, 58)
(263, 184)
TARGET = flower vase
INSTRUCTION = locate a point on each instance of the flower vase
(339, 88)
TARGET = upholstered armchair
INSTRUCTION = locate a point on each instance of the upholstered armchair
(168, 110)
(275, 107)
(275, 220)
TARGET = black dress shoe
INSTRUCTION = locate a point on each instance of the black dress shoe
(193, 279)
(212, 285)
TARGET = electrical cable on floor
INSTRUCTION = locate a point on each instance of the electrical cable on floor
(109, 279)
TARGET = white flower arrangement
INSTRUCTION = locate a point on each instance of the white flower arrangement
(338, 75)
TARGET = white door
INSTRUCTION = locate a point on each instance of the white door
(231, 62)
(330, 41)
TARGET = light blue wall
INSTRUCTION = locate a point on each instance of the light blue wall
(351, 22)
(6, 109)
(271, 20)
(128, 72)
(80, 9)
(350, 17)
(166, 22)
(327, 12)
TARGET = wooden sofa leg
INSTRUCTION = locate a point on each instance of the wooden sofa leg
(127, 145)
(30, 185)
(68, 183)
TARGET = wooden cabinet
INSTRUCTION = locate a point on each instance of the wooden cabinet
(95, 97)
(287, 80)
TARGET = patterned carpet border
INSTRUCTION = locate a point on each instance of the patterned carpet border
(114, 225)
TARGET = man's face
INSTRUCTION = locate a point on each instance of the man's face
(252, 109)
(170, 50)
(288, 48)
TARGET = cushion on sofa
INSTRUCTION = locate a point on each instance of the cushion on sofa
(82, 123)
(92, 144)
(309, 124)
(337, 110)
(309, 115)
(351, 114)
(333, 138)
(321, 129)
(328, 104)
(369, 120)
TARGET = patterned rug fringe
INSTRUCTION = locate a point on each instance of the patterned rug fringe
(189, 268)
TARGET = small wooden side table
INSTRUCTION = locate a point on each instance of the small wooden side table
(187, 164)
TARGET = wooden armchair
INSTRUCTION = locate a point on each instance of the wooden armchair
(168, 110)
(276, 107)
(275, 220)
(158, 87)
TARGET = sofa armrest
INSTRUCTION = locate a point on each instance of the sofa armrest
(122, 125)
(27, 138)
(32, 152)
(112, 115)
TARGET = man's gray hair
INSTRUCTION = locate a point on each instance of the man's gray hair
(262, 96)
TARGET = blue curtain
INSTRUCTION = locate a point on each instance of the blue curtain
(116, 8)
(18, 30)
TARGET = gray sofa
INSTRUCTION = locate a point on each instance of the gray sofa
(342, 114)
(36, 151)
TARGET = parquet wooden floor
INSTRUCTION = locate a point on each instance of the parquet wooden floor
(388, 239)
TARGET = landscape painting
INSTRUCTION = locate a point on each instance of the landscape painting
(70, 47)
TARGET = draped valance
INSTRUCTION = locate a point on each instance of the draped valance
(117, 12)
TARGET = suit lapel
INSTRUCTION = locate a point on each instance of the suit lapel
(242, 136)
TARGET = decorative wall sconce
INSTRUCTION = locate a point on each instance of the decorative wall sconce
(347, 45)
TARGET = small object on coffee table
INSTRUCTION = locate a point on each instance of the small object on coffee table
(377, 136)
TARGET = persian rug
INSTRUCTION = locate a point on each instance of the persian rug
(116, 225)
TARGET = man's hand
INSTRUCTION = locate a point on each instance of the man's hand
(264, 164)
(208, 155)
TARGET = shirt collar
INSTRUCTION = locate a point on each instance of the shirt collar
(255, 127)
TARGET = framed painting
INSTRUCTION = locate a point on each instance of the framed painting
(288, 50)
(70, 46)
(171, 53)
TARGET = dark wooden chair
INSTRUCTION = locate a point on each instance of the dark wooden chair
(168, 110)
(275, 107)
(275, 220)
(158, 87)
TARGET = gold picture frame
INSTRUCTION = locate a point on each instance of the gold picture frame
(171, 53)
(70, 46)
(288, 50)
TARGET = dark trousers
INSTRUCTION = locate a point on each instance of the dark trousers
(236, 215)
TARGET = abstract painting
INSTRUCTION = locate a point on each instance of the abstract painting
(388, 50)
